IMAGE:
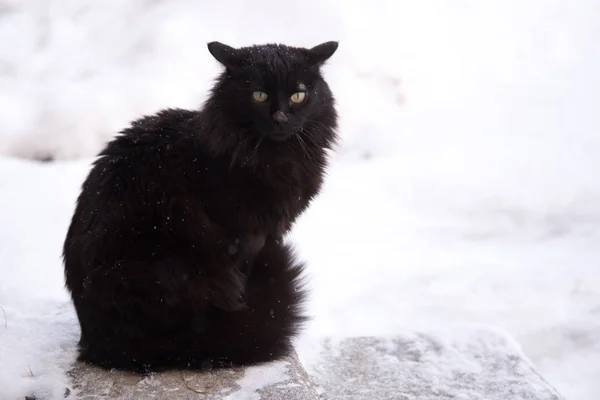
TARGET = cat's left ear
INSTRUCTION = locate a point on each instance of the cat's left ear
(322, 52)
(226, 55)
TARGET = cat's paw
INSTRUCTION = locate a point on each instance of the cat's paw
(227, 291)
(228, 303)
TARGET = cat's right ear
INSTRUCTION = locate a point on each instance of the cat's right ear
(224, 54)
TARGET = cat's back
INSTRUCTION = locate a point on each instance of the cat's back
(135, 171)
(159, 132)
(148, 147)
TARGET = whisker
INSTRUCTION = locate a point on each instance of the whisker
(304, 147)
(238, 149)
(308, 135)
(254, 151)
(258, 143)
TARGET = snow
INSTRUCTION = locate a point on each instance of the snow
(258, 377)
(36, 348)
(465, 188)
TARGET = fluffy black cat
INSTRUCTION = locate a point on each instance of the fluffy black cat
(174, 257)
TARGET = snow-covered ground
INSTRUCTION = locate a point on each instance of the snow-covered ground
(466, 189)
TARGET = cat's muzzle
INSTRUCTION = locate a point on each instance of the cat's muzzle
(281, 135)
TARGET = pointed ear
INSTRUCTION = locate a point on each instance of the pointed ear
(322, 52)
(226, 55)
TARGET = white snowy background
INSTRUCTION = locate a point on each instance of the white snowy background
(467, 188)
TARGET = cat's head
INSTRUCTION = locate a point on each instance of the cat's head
(274, 92)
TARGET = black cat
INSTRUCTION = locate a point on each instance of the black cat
(174, 256)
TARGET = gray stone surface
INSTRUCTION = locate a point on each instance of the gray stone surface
(278, 380)
(466, 364)
(474, 363)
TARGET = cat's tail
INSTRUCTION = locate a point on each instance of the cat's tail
(274, 296)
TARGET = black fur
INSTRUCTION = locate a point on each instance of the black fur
(174, 255)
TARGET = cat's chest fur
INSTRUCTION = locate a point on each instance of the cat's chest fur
(263, 200)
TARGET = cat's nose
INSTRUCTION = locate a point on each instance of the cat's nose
(280, 117)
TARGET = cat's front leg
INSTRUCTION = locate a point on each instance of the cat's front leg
(228, 288)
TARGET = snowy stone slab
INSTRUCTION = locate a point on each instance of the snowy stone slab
(466, 364)
(284, 379)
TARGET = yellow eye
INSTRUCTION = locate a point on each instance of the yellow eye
(298, 97)
(260, 96)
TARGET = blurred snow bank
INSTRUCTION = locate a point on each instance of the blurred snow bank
(73, 72)
(460, 84)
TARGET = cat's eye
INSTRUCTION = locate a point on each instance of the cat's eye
(298, 97)
(260, 97)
